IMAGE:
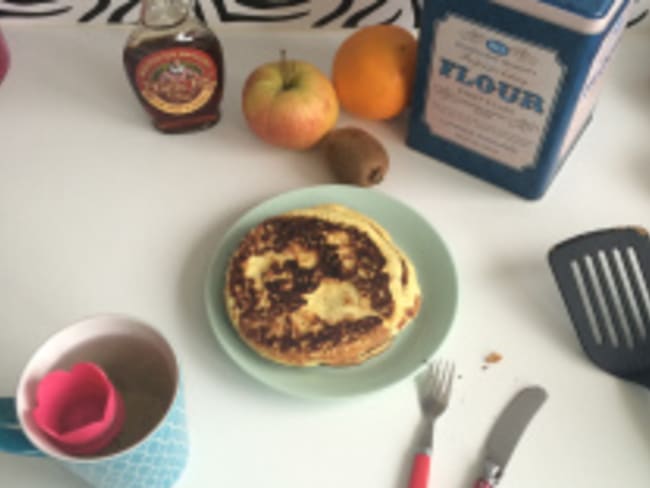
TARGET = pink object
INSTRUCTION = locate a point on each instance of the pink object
(482, 484)
(81, 411)
(4, 57)
(420, 471)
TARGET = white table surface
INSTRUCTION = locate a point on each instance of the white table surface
(99, 213)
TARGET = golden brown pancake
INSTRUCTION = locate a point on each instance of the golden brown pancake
(410, 294)
(324, 285)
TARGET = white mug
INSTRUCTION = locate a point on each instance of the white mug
(152, 449)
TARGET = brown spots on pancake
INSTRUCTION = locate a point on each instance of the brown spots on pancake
(313, 251)
(322, 285)
(330, 335)
(410, 313)
(405, 273)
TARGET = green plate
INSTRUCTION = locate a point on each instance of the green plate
(412, 347)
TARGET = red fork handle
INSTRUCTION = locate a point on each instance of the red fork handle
(483, 484)
(420, 471)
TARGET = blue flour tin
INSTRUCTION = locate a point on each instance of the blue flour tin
(504, 88)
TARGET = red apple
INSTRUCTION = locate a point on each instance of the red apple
(289, 103)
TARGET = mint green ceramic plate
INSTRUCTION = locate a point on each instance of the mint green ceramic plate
(414, 346)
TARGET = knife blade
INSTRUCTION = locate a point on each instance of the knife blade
(507, 431)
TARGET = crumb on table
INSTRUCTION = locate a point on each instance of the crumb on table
(493, 357)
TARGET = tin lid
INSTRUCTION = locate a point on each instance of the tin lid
(590, 9)
(585, 16)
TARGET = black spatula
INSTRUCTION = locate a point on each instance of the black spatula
(604, 278)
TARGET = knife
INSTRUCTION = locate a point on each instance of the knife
(507, 431)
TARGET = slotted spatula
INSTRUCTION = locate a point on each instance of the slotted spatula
(604, 279)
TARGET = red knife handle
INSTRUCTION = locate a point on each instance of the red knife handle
(482, 484)
(420, 471)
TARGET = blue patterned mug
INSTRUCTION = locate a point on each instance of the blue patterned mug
(152, 449)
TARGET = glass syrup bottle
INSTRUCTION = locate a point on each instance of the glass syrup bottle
(175, 65)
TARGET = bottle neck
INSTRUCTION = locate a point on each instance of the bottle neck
(165, 13)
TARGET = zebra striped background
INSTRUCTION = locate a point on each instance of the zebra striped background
(289, 13)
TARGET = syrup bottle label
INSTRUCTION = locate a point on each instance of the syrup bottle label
(177, 81)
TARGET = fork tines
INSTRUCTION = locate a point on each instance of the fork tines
(441, 376)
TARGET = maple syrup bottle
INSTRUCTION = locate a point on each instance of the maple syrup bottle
(175, 65)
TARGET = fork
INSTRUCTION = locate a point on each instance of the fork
(435, 390)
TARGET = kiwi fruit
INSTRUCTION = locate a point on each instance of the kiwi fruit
(355, 156)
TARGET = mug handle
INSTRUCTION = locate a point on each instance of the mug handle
(12, 438)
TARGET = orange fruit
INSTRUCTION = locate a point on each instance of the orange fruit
(373, 71)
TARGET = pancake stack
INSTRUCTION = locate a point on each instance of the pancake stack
(324, 285)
